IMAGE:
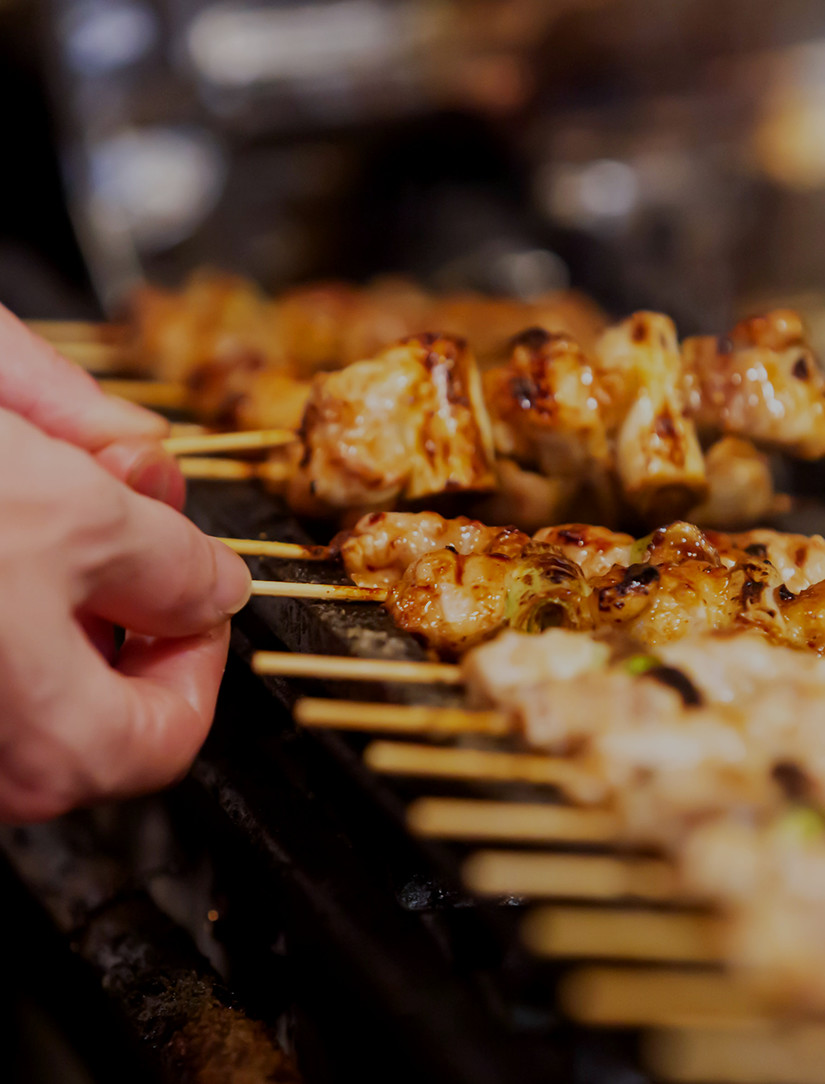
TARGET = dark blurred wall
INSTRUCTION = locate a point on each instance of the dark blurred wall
(41, 269)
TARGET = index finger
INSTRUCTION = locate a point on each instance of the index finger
(61, 398)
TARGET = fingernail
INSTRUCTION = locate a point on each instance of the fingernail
(234, 583)
(157, 475)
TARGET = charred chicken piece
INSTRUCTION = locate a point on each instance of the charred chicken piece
(451, 601)
(657, 455)
(382, 545)
(406, 425)
(762, 382)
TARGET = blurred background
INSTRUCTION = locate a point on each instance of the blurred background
(668, 155)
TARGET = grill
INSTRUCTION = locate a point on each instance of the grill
(329, 918)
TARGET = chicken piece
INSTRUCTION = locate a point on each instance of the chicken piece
(545, 407)
(451, 601)
(248, 395)
(762, 383)
(330, 325)
(799, 559)
(382, 545)
(594, 549)
(657, 454)
(407, 425)
(740, 487)
(665, 755)
(769, 880)
(489, 323)
(217, 320)
(682, 585)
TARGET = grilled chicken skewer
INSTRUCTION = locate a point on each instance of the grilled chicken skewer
(454, 583)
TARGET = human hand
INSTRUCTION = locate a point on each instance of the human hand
(78, 549)
(66, 402)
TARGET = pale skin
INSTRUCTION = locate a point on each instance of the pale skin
(91, 536)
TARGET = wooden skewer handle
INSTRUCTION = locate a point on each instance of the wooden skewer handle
(624, 934)
(399, 718)
(330, 591)
(260, 547)
(151, 393)
(511, 822)
(288, 664)
(229, 442)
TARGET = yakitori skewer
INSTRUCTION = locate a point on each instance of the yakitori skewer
(623, 934)
(481, 765)
(648, 997)
(160, 394)
(259, 547)
(573, 876)
(77, 331)
(218, 469)
(245, 440)
(221, 469)
(476, 819)
(766, 1054)
(333, 592)
(290, 664)
(398, 718)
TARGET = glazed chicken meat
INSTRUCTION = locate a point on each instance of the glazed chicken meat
(454, 583)
(409, 424)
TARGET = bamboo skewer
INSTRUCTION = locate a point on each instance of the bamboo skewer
(769, 1054)
(333, 592)
(569, 876)
(465, 819)
(97, 356)
(76, 331)
(401, 719)
(259, 547)
(166, 395)
(289, 664)
(250, 439)
(218, 468)
(482, 765)
(213, 468)
(651, 997)
(628, 934)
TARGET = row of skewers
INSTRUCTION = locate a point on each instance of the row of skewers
(670, 689)
(625, 425)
